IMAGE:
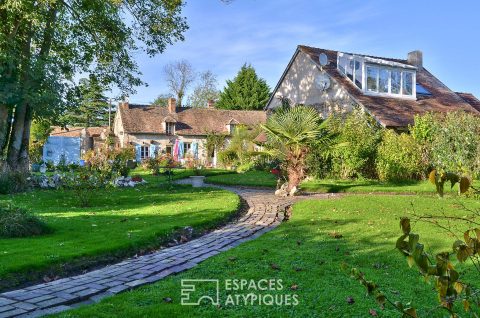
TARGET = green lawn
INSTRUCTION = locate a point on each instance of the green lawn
(250, 178)
(303, 254)
(120, 222)
(267, 179)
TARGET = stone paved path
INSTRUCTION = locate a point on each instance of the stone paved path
(265, 213)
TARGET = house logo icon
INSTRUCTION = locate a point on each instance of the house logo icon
(197, 291)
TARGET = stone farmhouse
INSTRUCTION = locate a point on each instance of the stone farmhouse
(153, 129)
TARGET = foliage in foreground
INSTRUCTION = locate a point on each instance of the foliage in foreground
(449, 286)
(17, 222)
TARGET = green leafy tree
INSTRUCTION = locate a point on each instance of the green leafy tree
(44, 44)
(246, 91)
(290, 133)
(92, 108)
(39, 133)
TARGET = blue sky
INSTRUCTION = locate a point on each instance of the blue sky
(222, 37)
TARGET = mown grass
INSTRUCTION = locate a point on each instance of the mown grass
(118, 223)
(311, 263)
(267, 179)
(249, 178)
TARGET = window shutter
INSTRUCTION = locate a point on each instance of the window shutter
(152, 151)
(138, 149)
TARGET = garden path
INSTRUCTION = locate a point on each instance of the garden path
(265, 212)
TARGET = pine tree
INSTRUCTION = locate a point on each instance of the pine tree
(92, 109)
(246, 92)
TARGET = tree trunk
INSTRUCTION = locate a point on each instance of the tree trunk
(4, 127)
(295, 169)
(16, 137)
(23, 162)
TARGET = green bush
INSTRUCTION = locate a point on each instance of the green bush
(451, 142)
(17, 222)
(399, 158)
(228, 157)
(358, 136)
(13, 181)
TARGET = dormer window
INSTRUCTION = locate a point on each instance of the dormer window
(169, 128)
(375, 76)
(232, 128)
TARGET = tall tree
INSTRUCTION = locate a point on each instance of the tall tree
(179, 75)
(247, 91)
(205, 90)
(92, 108)
(44, 44)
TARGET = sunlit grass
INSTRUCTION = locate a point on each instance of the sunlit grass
(307, 256)
(118, 223)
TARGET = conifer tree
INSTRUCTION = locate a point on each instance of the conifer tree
(245, 92)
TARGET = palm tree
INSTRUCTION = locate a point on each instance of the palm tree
(290, 134)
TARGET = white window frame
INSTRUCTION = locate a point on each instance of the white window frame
(368, 64)
(185, 146)
(169, 128)
(144, 152)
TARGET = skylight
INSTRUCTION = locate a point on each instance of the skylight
(422, 90)
(375, 76)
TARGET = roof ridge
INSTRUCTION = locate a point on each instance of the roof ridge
(351, 53)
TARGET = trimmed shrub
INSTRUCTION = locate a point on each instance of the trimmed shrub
(17, 222)
(399, 158)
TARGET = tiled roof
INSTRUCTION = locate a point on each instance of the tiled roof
(395, 112)
(190, 121)
(471, 99)
(76, 131)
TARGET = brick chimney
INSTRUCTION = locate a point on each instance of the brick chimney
(211, 104)
(172, 105)
(415, 58)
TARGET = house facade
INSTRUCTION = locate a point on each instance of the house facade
(182, 132)
(71, 143)
(391, 90)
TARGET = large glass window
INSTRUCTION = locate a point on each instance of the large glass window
(395, 78)
(342, 64)
(372, 78)
(383, 79)
(407, 87)
(379, 77)
(350, 65)
(358, 74)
